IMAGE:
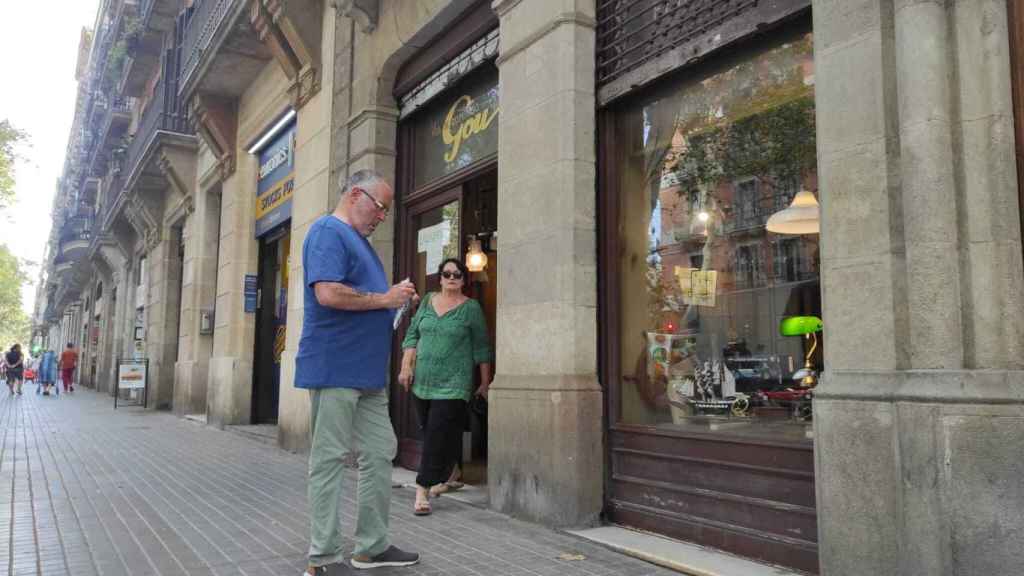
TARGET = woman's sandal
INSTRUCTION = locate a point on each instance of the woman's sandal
(421, 508)
(449, 486)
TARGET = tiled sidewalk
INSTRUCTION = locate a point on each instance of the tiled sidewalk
(87, 490)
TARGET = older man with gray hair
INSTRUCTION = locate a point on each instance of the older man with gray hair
(343, 361)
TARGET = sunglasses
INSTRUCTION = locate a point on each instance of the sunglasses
(451, 275)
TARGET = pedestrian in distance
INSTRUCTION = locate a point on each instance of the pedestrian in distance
(48, 372)
(30, 368)
(68, 363)
(446, 341)
(343, 361)
(15, 369)
(3, 371)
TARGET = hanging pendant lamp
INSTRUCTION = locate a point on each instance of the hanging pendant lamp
(803, 216)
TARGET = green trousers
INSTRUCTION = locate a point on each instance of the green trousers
(343, 420)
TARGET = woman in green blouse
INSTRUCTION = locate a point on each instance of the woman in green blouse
(446, 340)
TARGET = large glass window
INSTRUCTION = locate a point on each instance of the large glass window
(720, 318)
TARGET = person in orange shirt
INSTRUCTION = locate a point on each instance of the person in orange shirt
(68, 363)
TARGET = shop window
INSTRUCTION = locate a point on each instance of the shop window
(720, 318)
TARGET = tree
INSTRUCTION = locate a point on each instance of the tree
(10, 138)
(15, 325)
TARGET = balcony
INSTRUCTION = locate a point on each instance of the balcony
(70, 284)
(89, 191)
(50, 312)
(159, 159)
(75, 235)
(162, 122)
(110, 189)
(158, 15)
(222, 53)
(156, 18)
(112, 118)
(117, 117)
(746, 219)
(61, 267)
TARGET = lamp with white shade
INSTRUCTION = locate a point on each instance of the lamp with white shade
(803, 216)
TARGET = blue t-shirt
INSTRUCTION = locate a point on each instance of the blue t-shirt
(341, 348)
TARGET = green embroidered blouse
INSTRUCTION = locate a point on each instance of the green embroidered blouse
(448, 348)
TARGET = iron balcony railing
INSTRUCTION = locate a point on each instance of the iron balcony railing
(116, 105)
(746, 218)
(163, 113)
(110, 107)
(119, 105)
(97, 108)
(110, 187)
(206, 18)
(76, 228)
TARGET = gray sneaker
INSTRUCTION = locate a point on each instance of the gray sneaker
(390, 557)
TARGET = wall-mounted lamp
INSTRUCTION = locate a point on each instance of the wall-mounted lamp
(803, 216)
(476, 259)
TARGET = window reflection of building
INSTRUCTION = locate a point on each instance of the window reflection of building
(748, 271)
(791, 261)
(747, 208)
(783, 193)
(704, 170)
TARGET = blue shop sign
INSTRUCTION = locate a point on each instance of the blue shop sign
(276, 181)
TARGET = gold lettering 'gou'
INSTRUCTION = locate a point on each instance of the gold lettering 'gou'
(470, 125)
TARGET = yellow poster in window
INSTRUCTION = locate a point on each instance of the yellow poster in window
(699, 287)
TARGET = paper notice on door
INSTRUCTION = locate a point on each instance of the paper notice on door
(699, 287)
(432, 240)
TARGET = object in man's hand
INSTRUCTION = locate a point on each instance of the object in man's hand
(401, 311)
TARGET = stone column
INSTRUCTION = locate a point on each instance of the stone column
(372, 125)
(104, 366)
(198, 281)
(919, 413)
(310, 200)
(229, 392)
(85, 361)
(110, 333)
(162, 315)
(545, 451)
(126, 326)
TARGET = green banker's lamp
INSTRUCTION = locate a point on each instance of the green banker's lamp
(808, 327)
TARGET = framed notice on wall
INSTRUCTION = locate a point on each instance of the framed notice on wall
(250, 289)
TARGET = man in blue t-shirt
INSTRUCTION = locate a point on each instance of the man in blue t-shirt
(343, 361)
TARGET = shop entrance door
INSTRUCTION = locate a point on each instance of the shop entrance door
(435, 227)
(271, 319)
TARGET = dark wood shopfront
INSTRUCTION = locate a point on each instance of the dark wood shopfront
(1015, 13)
(739, 492)
(447, 181)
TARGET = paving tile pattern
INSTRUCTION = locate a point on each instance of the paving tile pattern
(88, 491)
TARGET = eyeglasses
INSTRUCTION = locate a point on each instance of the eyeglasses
(448, 275)
(380, 205)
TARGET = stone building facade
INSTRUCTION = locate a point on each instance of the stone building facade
(669, 357)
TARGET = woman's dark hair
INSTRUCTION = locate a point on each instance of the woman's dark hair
(458, 264)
